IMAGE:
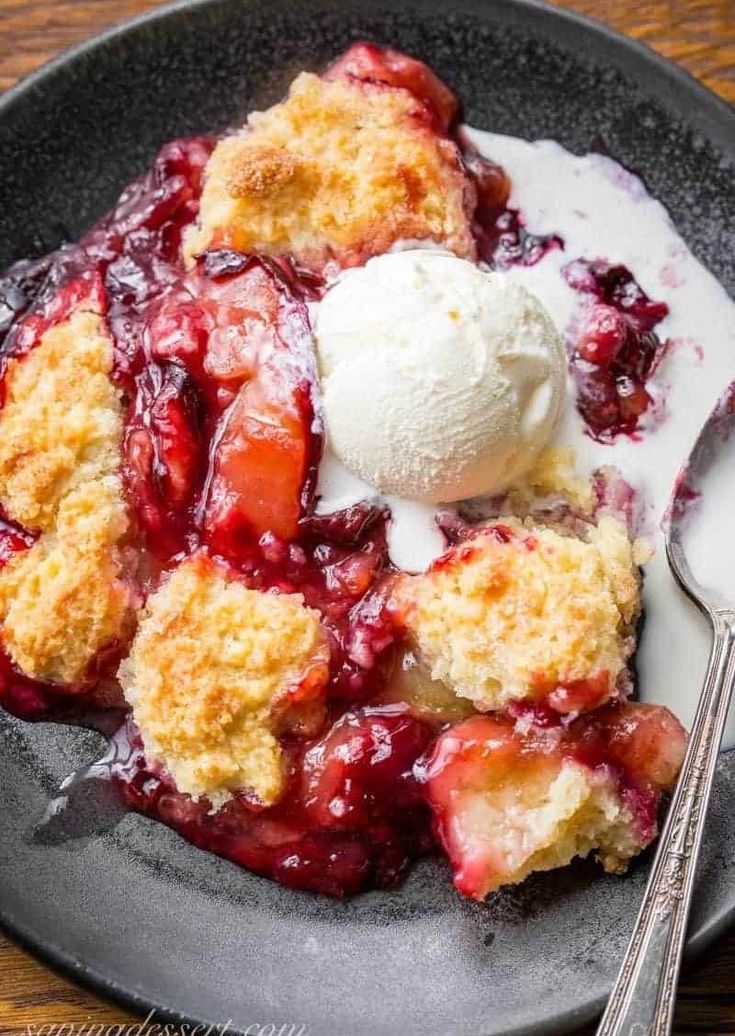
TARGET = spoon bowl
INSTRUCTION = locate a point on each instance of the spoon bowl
(683, 520)
(643, 998)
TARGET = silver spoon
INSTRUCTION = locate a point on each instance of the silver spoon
(644, 995)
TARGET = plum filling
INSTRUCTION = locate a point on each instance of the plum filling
(503, 239)
(353, 816)
(614, 349)
(19, 287)
(220, 450)
(221, 444)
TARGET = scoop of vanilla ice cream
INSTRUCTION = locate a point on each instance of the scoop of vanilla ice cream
(440, 381)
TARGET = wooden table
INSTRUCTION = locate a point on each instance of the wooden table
(700, 34)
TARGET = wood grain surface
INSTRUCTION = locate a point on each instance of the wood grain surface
(700, 34)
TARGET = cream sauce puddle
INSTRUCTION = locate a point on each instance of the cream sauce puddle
(603, 211)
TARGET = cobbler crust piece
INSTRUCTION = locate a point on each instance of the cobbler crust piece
(215, 671)
(521, 612)
(513, 798)
(61, 422)
(63, 600)
(341, 169)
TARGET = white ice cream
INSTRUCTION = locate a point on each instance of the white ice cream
(439, 381)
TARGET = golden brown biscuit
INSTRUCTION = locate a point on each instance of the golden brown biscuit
(340, 169)
(63, 600)
(212, 673)
(520, 612)
(61, 423)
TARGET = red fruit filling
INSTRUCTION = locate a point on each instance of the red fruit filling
(353, 817)
(615, 349)
(381, 64)
(27, 699)
(163, 455)
(502, 237)
(20, 285)
(221, 444)
(221, 435)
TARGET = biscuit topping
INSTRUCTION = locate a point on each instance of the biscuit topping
(517, 613)
(61, 423)
(340, 169)
(63, 600)
(215, 670)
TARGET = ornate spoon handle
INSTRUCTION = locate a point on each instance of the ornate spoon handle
(643, 997)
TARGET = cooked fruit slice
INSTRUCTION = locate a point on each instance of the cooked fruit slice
(364, 767)
(233, 362)
(510, 799)
(341, 169)
(410, 683)
(178, 329)
(646, 740)
(259, 466)
(163, 451)
(215, 670)
(520, 612)
(218, 327)
(268, 438)
(245, 312)
(381, 64)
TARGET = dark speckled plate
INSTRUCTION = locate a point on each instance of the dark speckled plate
(134, 910)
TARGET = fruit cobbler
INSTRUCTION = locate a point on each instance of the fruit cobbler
(280, 489)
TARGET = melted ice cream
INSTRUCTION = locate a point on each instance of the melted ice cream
(603, 211)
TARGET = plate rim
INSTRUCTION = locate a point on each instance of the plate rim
(54, 956)
(45, 948)
(666, 67)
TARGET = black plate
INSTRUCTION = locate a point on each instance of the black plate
(139, 913)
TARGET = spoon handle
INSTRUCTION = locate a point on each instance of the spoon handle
(643, 997)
